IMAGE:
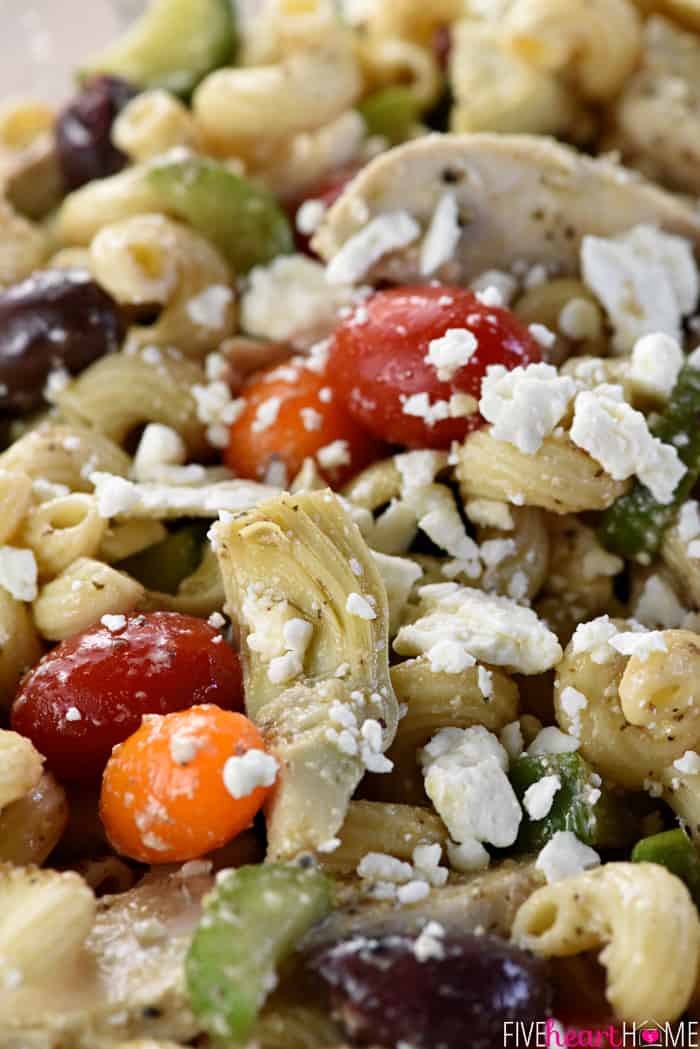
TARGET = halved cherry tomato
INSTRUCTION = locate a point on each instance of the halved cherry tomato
(291, 413)
(378, 360)
(170, 791)
(92, 690)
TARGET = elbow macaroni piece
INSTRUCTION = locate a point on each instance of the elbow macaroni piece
(151, 124)
(647, 922)
(559, 477)
(62, 530)
(597, 43)
(23, 245)
(371, 826)
(125, 390)
(521, 573)
(80, 596)
(390, 60)
(152, 259)
(20, 767)
(308, 157)
(20, 647)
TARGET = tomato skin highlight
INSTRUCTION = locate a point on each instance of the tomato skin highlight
(164, 798)
(377, 359)
(155, 664)
(309, 416)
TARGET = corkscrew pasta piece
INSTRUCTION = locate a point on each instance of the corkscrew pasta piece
(80, 596)
(371, 826)
(150, 259)
(151, 124)
(643, 917)
(64, 454)
(391, 60)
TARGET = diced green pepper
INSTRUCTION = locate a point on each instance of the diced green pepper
(634, 526)
(242, 218)
(251, 922)
(164, 565)
(672, 849)
(173, 45)
(391, 112)
(602, 820)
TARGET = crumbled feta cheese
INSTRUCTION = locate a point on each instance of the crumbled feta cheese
(296, 635)
(617, 437)
(413, 891)
(451, 352)
(329, 846)
(572, 703)
(216, 620)
(113, 623)
(656, 361)
(598, 562)
(689, 763)
(646, 279)
(357, 605)
(490, 297)
(594, 637)
(209, 308)
(525, 404)
(542, 335)
(494, 551)
(564, 856)
(114, 495)
(551, 740)
(159, 446)
(266, 414)
(73, 714)
(290, 296)
(489, 513)
(443, 235)
(492, 629)
(689, 521)
(334, 455)
(539, 797)
(658, 605)
(242, 774)
(429, 944)
(184, 748)
(580, 319)
(449, 657)
(56, 382)
(382, 235)
(309, 216)
(311, 419)
(485, 682)
(639, 644)
(503, 282)
(378, 866)
(217, 409)
(467, 856)
(418, 469)
(465, 778)
(511, 739)
(426, 863)
(420, 406)
(18, 573)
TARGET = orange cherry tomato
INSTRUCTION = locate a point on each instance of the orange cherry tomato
(290, 414)
(184, 784)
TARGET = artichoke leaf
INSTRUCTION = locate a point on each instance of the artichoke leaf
(313, 616)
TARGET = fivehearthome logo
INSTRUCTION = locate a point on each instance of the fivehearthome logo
(550, 1034)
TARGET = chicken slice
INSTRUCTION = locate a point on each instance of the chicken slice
(519, 197)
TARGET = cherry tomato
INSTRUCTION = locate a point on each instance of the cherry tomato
(171, 792)
(91, 691)
(378, 360)
(292, 413)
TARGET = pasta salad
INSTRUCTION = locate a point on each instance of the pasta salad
(349, 531)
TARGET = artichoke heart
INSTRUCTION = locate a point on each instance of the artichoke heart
(313, 616)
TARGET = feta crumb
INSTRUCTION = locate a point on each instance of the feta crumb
(511, 738)
(504, 283)
(382, 235)
(689, 521)
(449, 657)
(378, 866)
(334, 455)
(525, 404)
(572, 703)
(216, 620)
(245, 773)
(489, 513)
(209, 308)
(539, 797)
(114, 495)
(542, 335)
(639, 644)
(689, 763)
(289, 297)
(426, 863)
(329, 846)
(413, 892)
(658, 605)
(18, 573)
(309, 216)
(73, 714)
(311, 419)
(618, 437)
(184, 748)
(485, 682)
(443, 235)
(266, 414)
(429, 943)
(551, 740)
(467, 856)
(159, 446)
(594, 637)
(113, 623)
(357, 605)
(656, 361)
(451, 352)
(564, 856)
(580, 319)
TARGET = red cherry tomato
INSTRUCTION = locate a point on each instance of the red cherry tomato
(305, 418)
(91, 691)
(378, 360)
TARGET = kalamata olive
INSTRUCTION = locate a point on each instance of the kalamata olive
(53, 319)
(387, 991)
(83, 131)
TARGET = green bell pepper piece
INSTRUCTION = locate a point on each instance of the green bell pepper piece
(391, 112)
(672, 849)
(164, 565)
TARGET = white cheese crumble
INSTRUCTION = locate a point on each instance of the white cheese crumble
(658, 605)
(113, 623)
(217, 409)
(551, 740)
(357, 605)
(244, 773)
(296, 636)
(525, 404)
(266, 414)
(639, 644)
(334, 455)
(382, 235)
(542, 335)
(572, 703)
(290, 296)
(309, 216)
(465, 778)
(580, 319)
(429, 944)
(511, 738)
(594, 638)
(689, 763)
(485, 682)
(449, 657)
(114, 495)
(451, 352)
(689, 521)
(159, 446)
(504, 283)
(413, 891)
(539, 797)
(184, 748)
(618, 437)
(656, 361)
(209, 308)
(646, 279)
(564, 856)
(18, 573)
(490, 628)
(73, 714)
(443, 235)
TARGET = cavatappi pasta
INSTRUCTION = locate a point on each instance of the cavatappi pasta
(349, 529)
